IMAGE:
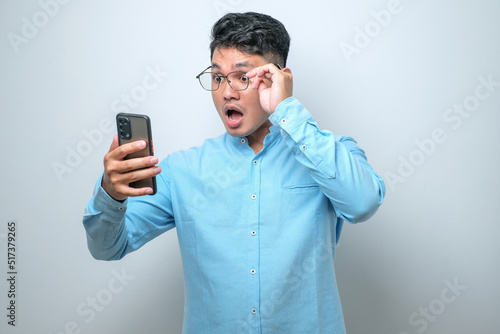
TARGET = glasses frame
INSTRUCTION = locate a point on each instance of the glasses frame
(221, 76)
(225, 77)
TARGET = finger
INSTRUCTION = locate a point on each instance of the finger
(116, 154)
(267, 74)
(114, 143)
(256, 82)
(252, 73)
(140, 191)
(116, 183)
(122, 186)
(127, 191)
(130, 165)
(262, 71)
(256, 79)
(142, 174)
(268, 70)
(264, 68)
(259, 73)
(122, 151)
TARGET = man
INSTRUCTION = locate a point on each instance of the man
(259, 210)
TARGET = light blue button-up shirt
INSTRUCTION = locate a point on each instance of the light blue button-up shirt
(257, 233)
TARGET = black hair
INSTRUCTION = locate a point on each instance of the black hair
(253, 33)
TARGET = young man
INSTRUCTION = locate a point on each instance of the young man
(259, 210)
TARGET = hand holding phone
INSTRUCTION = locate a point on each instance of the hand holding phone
(131, 128)
(129, 166)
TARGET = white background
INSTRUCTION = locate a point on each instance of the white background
(65, 69)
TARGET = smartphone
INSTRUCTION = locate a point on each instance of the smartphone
(133, 127)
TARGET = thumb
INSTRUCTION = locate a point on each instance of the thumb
(114, 143)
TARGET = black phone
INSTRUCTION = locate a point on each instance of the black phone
(133, 127)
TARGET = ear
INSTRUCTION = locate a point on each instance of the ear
(287, 70)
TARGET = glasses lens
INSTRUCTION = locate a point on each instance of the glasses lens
(238, 80)
(210, 81)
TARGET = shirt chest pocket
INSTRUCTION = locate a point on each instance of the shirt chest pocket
(300, 201)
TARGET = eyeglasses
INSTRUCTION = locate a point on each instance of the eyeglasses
(211, 81)
(237, 80)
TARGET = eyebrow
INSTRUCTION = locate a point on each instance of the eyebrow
(243, 64)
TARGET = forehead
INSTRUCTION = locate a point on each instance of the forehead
(234, 59)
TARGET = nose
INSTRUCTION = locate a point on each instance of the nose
(227, 92)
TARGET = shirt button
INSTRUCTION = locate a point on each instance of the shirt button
(254, 311)
(253, 232)
(255, 162)
(243, 140)
(283, 120)
(304, 147)
(254, 196)
(252, 271)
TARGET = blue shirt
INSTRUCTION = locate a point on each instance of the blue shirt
(257, 233)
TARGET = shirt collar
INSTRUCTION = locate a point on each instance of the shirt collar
(274, 133)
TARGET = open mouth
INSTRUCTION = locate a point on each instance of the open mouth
(233, 117)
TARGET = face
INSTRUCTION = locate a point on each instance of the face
(240, 111)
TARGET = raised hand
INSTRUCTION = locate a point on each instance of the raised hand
(273, 84)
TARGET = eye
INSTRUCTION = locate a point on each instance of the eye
(217, 78)
(243, 78)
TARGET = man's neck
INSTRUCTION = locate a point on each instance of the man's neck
(256, 139)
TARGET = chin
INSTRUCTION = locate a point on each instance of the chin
(235, 132)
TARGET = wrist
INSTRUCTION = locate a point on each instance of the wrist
(107, 186)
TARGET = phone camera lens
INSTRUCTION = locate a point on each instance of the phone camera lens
(124, 127)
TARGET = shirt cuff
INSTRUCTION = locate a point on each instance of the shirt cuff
(102, 202)
(290, 114)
